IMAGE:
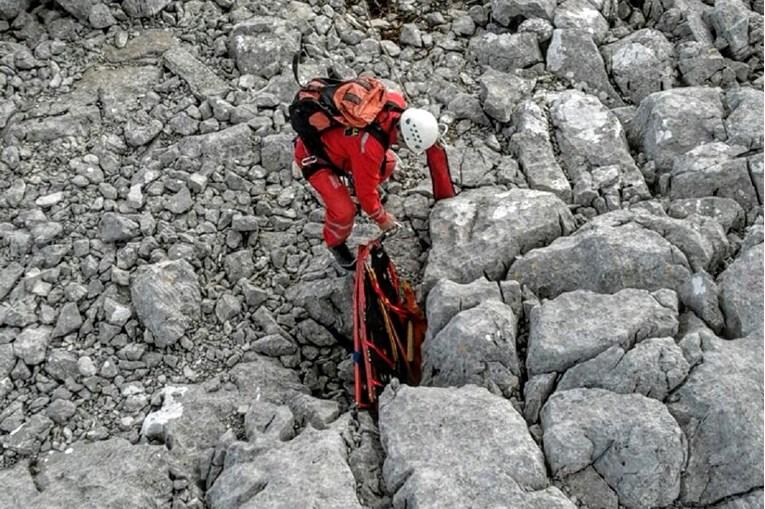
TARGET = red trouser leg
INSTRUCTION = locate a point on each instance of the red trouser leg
(340, 211)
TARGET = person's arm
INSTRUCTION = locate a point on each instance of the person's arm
(367, 169)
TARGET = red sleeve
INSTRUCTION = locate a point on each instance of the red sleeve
(366, 166)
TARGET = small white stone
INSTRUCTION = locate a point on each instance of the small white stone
(49, 200)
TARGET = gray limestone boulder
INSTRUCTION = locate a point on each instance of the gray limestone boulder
(699, 64)
(641, 63)
(311, 470)
(670, 123)
(581, 15)
(460, 448)
(701, 295)
(276, 152)
(505, 52)
(501, 92)
(740, 288)
(19, 485)
(474, 164)
(684, 20)
(574, 56)
(476, 347)
(144, 8)
(483, 230)
(730, 20)
(193, 417)
(227, 147)
(579, 325)
(9, 9)
(448, 298)
(603, 259)
(725, 211)
(166, 299)
(7, 360)
(531, 144)
(31, 345)
(263, 45)
(720, 409)
(80, 9)
(239, 265)
(594, 151)
(654, 367)
(632, 442)
(744, 123)
(753, 500)
(506, 11)
(111, 474)
(701, 239)
(9, 275)
(328, 301)
(78, 121)
(712, 169)
(69, 320)
(116, 227)
(468, 106)
(201, 79)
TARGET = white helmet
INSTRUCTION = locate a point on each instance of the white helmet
(419, 129)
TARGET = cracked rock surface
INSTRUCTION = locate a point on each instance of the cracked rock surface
(174, 334)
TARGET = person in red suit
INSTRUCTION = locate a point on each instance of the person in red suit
(362, 155)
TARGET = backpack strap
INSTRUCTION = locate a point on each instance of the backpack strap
(377, 131)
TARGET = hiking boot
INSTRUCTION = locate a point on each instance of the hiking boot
(344, 257)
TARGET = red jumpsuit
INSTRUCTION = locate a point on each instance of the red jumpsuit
(363, 157)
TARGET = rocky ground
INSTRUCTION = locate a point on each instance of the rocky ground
(172, 330)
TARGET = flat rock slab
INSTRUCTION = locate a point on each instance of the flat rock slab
(201, 79)
(166, 299)
(720, 409)
(532, 146)
(653, 368)
(605, 259)
(725, 211)
(701, 239)
(460, 448)
(505, 52)
(669, 123)
(477, 347)
(622, 249)
(483, 230)
(577, 326)
(574, 56)
(631, 441)
(228, 147)
(118, 90)
(148, 44)
(591, 140)
(448, 298)
(741, 286)
(712, 169)
(77, 122)
(111, 474)
(192, 418)
(311, 470)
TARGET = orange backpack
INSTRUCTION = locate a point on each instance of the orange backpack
(323, 103)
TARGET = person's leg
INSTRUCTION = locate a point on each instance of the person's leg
(340, 212)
